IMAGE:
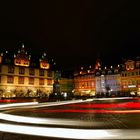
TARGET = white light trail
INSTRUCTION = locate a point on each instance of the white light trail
(75, 101)
(118, 98)
(68, 133)
(61, 132)
(79, 101)
(36, 104)
(18, 104)
(47, 121)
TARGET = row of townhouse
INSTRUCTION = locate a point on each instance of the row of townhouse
(22, 76)
(121, 80)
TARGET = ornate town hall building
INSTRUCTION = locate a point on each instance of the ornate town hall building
(21, 76)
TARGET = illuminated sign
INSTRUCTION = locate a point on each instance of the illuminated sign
(131, 86)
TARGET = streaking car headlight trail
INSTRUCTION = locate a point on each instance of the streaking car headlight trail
(70, 133)
(38, 105)
(68, 128)
(45, 121)
(18, 104)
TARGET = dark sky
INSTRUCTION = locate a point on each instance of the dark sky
(72, 32)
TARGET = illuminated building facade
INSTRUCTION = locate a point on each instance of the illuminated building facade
(98, 81)
(130, 77)
(66, 81)
(84, 82)
(62, 83)
(108, 81)
(66, 85)
(122, 80)
(20, 77)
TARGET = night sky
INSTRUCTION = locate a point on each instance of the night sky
(72, 32)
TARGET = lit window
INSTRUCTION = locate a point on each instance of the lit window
(116, 71)
(128, 74)
(20, 80)
(103, 72)
(18, 61)
(10, 79)
(133, 82)
(98, 73)
(129, 82)
(49, 73)
(10, 69)
(31, 71)
(25, 62)
(49, 81)
(31, 81)
(41, 81)
(41, 72)
(21, 70)
(127, 66)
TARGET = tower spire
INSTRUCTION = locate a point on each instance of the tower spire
(98, 63)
